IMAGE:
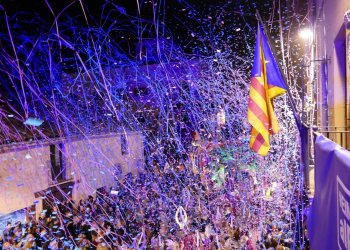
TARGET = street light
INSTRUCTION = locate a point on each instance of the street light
(306, 34)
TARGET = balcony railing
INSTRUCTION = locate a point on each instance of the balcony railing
(338, 134)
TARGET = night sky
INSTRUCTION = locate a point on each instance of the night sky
(192, 29)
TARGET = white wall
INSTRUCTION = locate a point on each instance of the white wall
(22, 173)
(330, 36)
(334, 20)
(93, 161)
(90, 162)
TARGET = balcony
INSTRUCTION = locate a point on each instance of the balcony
(338, 134)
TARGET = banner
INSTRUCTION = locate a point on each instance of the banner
(329, 220)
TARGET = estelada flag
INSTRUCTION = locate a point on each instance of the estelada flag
(266, 84)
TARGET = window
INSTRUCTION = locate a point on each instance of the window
(124, 144)
(58, 168)
(140, 91)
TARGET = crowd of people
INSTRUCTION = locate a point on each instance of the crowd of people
(169, 207)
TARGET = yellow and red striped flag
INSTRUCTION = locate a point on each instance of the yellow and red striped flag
(266, 84)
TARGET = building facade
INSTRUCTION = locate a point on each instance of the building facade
(330, 61)
(31, 172)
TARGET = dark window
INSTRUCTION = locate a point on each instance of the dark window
(140, 91)
(124, 144)
(58, 168)
(340, 53)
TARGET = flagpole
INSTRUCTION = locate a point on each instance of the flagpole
(290, 97)
(303, 128)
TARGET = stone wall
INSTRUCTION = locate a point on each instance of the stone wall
(91, 163)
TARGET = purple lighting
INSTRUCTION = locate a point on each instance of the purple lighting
(143, 137)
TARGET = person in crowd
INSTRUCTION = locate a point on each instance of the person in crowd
(141, 215)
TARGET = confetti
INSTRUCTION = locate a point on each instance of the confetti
(193, 77)
(33, 122)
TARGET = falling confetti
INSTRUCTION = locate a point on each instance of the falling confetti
(179, 75)
(33, 122)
